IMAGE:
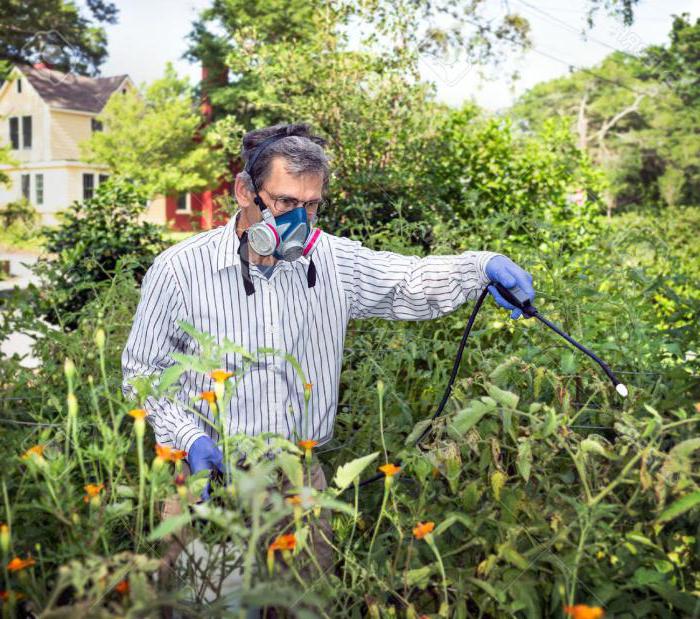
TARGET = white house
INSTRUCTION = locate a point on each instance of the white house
(44, 115)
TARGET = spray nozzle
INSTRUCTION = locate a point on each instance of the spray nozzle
(520, 299)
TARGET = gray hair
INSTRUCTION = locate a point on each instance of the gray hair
(301, 150)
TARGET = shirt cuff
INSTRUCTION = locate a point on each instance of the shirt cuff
(187, 435)
(482, 259)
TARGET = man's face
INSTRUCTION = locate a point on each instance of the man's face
(279, 192)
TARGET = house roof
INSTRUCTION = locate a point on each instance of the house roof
(70, 91)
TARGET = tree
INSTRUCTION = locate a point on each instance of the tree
(635, 116)
(156, 139)
(56, 33)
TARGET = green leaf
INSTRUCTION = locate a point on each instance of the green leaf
(568, 362)
(169, 526)
(170, 376)
(468, 417)
(417, 431)
(507, 552)
(680, 506)
(549, 425)
(504, 398)
(680, 600)
(292, 468)
(346, 473)
(524, 460)
(488, 588)
(590, 445)
(420, 576)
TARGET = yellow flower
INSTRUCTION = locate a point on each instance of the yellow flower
(422, 529)
(139, 414)
(18, 564)
(92, 490)
(389, 469)
(168, 454)
(220, 375)
(581, 611)
(208, 396)
(307, 444)
(284, 542)
(36, 452)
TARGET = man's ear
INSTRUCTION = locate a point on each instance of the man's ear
(244, 196)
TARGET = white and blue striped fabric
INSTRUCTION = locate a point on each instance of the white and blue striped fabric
(199, 281)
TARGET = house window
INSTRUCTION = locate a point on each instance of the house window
(25, 185)
(103, 178)
(88, 186)
(96, 124)
(183, 202)
(39, 188)
(26, 131)
(14, 132)
(19, 85)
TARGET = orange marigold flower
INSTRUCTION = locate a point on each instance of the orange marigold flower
(307, 444)
(92, 490)
(220, 375)
(122, 587)
(422, 529)
(294, 499)
(137, 413)
(36, 451)
(169, 454)
(18, 564)
(208, 396)
(389, 469)
(581, 611)
(283, 542)
(180, 479)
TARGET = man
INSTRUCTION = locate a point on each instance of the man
(269, 279)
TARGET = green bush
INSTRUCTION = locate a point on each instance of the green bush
(84, 249)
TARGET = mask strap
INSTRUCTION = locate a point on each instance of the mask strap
(245, 266)
(311, 273)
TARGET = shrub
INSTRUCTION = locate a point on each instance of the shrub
(92, 237)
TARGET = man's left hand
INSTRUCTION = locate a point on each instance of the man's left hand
(504, 271)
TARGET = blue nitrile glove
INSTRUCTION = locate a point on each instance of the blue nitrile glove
(504, 271)
(204, 454)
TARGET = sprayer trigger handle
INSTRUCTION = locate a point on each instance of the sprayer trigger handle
(516, 296)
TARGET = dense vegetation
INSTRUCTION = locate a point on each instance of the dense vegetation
(545, 489)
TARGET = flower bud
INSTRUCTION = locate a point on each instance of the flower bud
(100, 339)
(69, 369)
(72, 403)
(4, 538)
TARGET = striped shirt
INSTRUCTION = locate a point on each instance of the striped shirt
(199, 281)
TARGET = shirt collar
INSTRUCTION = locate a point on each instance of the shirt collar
(227, 251)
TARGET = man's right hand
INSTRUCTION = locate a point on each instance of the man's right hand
(205, 455)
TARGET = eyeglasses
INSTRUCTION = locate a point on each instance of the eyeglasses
(284, 204)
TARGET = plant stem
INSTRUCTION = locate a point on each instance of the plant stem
(444, 611)
(348, 547)
(387, 482)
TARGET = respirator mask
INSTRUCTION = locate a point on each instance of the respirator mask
(287, 237)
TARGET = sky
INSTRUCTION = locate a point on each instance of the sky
(152, 32)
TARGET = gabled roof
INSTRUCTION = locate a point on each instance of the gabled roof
(72, 92)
